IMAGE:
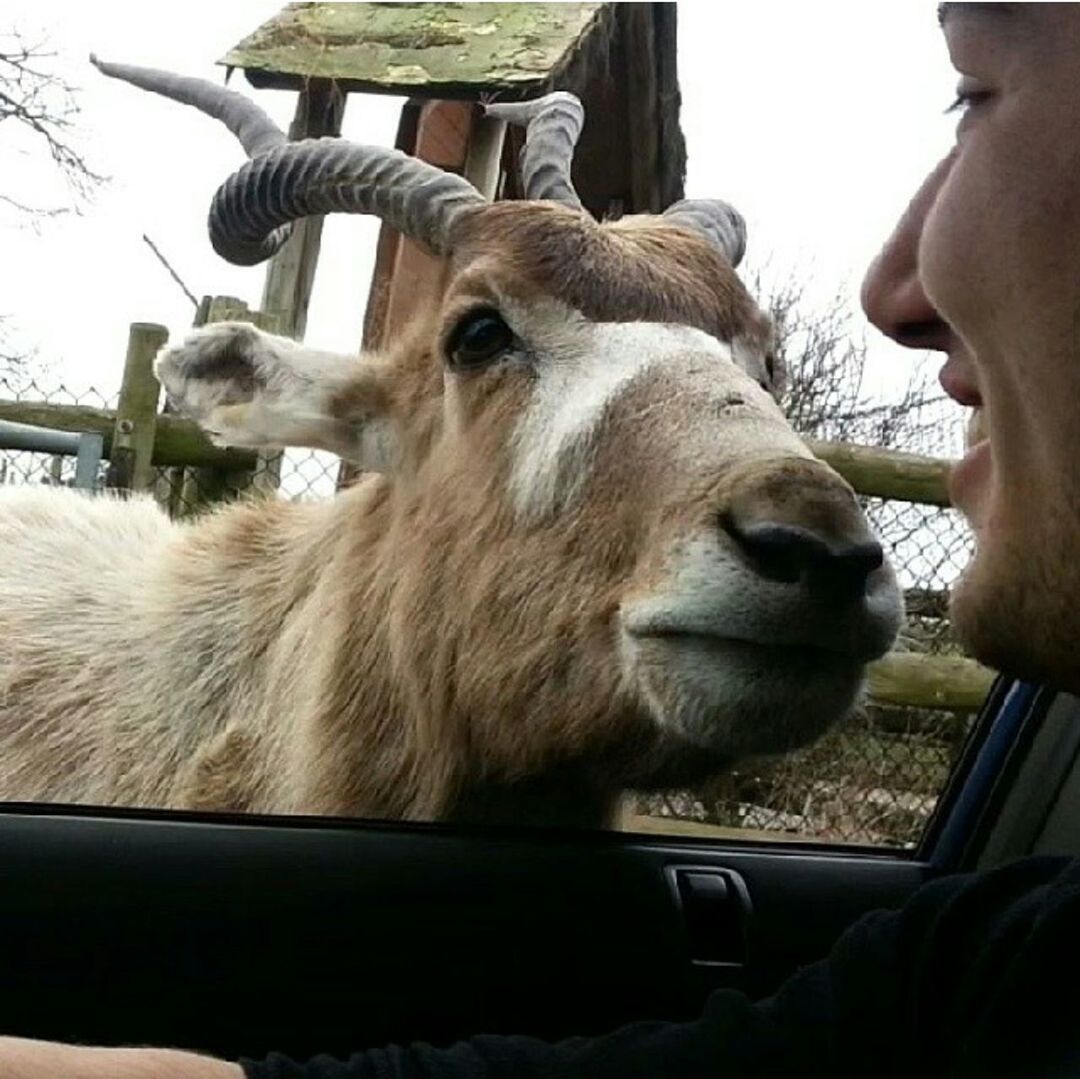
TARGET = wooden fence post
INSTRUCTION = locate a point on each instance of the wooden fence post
(444, 134)
(130, 467)
(290, 275)
(483, 158)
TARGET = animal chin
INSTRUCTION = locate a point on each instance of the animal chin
(726, 647)
(738, 697)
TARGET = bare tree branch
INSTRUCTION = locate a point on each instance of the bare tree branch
(168, 266)
(825, 356)
(34, 211)
(38, 110)
(40, 103)
(14, 356)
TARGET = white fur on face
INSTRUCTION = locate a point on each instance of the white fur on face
(581, 368)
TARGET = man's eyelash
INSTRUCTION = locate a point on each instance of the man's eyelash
(966, 99)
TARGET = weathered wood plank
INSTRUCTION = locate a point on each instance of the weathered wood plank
(132, 449)
(484, 157)
(438, 50)
(290, 274)
(643, 108)
(177, 441)
(871, 471)
(407, 276)
(320, 109)
(919, 680)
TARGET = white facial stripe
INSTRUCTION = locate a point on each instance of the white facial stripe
(582, 368)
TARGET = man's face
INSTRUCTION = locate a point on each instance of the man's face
(985, 265)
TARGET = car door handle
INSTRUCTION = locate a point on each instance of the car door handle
(716, 911)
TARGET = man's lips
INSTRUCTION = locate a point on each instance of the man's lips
(969, 475)
(968, 480)
(958, 381)
(976, 431)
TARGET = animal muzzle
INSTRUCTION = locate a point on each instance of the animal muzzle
(753, 622)
(778, 555)
(791, 554)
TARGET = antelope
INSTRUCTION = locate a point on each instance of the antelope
(588, 554)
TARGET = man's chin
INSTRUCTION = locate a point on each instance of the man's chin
(1009, 611)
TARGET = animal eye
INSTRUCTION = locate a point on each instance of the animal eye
(770, 370)
(479, 338)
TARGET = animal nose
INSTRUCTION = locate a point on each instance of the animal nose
(790, 554)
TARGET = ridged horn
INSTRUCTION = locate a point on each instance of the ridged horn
(717, 221)
(252, 213)
(255, 130)
(553, 124)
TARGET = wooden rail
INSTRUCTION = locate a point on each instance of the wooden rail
(871, 471)
(907, 477)
(914, 679)
(176, 441)
(918, 680)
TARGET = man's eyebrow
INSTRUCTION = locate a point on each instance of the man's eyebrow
(945, 12)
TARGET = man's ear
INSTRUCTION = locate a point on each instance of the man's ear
(248, 388)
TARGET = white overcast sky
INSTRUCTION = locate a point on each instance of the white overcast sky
(816, 120)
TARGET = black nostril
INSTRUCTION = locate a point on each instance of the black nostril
(789, 554)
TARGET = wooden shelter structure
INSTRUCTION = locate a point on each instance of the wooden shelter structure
(619, 58)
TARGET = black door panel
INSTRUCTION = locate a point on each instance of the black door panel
(240, 936)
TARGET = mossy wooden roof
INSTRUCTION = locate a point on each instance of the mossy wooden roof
(437, 49)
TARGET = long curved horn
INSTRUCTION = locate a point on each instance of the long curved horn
(255, 130)
(253, 210)
(553, 124)
(720, 223)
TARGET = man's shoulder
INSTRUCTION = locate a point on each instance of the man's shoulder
(1036, 879)
(991, 952)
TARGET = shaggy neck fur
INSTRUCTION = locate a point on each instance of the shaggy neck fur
(354, 730)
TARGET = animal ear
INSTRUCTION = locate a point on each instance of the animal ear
(253, 389)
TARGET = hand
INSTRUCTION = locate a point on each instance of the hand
(24, 1059)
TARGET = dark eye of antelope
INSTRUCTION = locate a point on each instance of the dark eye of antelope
(480, 338)
(769, 381)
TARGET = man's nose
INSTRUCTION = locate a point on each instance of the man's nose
(892, 292)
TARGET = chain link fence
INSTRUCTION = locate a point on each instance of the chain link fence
(873, 779)
(299, 475)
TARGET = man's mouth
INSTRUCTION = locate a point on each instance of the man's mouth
(969, 476)
(958, 380)
(976, 428)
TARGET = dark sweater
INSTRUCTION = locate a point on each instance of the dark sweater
(976, 977)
